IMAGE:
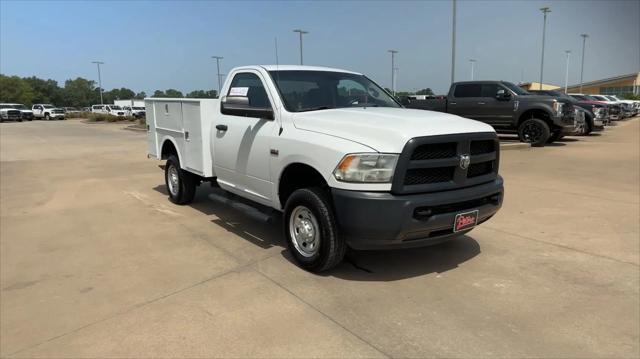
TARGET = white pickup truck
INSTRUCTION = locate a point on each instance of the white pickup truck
(47, 112)
(346, 164)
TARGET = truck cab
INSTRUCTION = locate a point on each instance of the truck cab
(343, 161)
(47, 112)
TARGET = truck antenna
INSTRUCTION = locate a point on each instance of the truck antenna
(278, 81)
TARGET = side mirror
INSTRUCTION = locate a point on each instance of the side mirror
(503, 95)
(239, 106)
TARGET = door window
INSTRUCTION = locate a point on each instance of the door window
(249, 85)
(467, 90)
(490, 90)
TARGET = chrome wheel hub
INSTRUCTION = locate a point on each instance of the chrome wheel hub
(304, 231)
(173, 180)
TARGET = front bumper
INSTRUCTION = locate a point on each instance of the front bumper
(381, 220)
(566, 123)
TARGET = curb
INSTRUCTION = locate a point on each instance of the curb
(135, 129)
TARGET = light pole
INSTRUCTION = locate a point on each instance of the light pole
(566, 73)
(584, 40)
(545, 10)
(453, 43)
(473, 62)
(393, 71)
(99, 78)
(218, 58)
(301, 32)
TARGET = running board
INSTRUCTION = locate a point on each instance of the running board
(248, 210)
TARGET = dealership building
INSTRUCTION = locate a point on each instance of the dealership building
(610, 86)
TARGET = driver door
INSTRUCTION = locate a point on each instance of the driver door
(242, 152)
(493, 111)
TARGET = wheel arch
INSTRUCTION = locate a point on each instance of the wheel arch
(537, 112)
(298, 175)
(169, 146)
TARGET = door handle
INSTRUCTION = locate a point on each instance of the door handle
(452, 103)
(221, 127)
(186, 135)
(481, 103)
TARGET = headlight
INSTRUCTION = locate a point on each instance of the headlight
(557, 108)
(366, 168)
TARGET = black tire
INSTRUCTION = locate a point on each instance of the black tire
(19, 120)
(331, 247)
(534, 131)
(588, 125)
(47, 117)
(555, 135)
(184, 190)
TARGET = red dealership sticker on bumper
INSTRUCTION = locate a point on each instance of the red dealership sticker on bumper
(465, 221)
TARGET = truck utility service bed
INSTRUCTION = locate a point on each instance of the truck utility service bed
(187, 124)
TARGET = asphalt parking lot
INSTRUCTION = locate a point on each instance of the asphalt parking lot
(96, 262)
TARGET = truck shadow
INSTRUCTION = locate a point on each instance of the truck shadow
(389, 265)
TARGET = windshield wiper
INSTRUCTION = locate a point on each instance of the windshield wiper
(316, 108)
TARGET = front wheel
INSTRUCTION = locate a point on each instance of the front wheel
(47, 117)
(534, 131)
(311, 230)
(555, 135)
(181, 184)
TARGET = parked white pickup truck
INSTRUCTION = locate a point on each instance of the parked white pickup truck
(341, 158)
(47, 112)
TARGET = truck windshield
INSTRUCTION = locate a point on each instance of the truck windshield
(516, 89)
(320, 90)
(115, 107)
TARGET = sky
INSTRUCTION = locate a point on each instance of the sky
(149, 45)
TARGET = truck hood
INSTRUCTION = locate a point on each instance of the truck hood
(538, 98)
(385, 129)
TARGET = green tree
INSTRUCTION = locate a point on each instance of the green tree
(159, 93)
(426, 91)
(140, 95)
(15, 89)
(173, 93)
(203, 94)
(45, 91)
(80, 92)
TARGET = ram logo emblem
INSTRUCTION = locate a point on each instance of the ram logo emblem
(465, 160)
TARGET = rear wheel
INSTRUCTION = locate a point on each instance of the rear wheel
(311, 230)
(181, 184)
(534, 131)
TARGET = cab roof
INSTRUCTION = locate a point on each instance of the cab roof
(303, 68)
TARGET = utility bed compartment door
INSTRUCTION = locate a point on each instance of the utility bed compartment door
(152, 137)
(193, 151)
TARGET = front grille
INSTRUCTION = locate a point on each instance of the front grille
(480, 147)
(480, 169)
(429, 175)
(434, 151)
(438, 163)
